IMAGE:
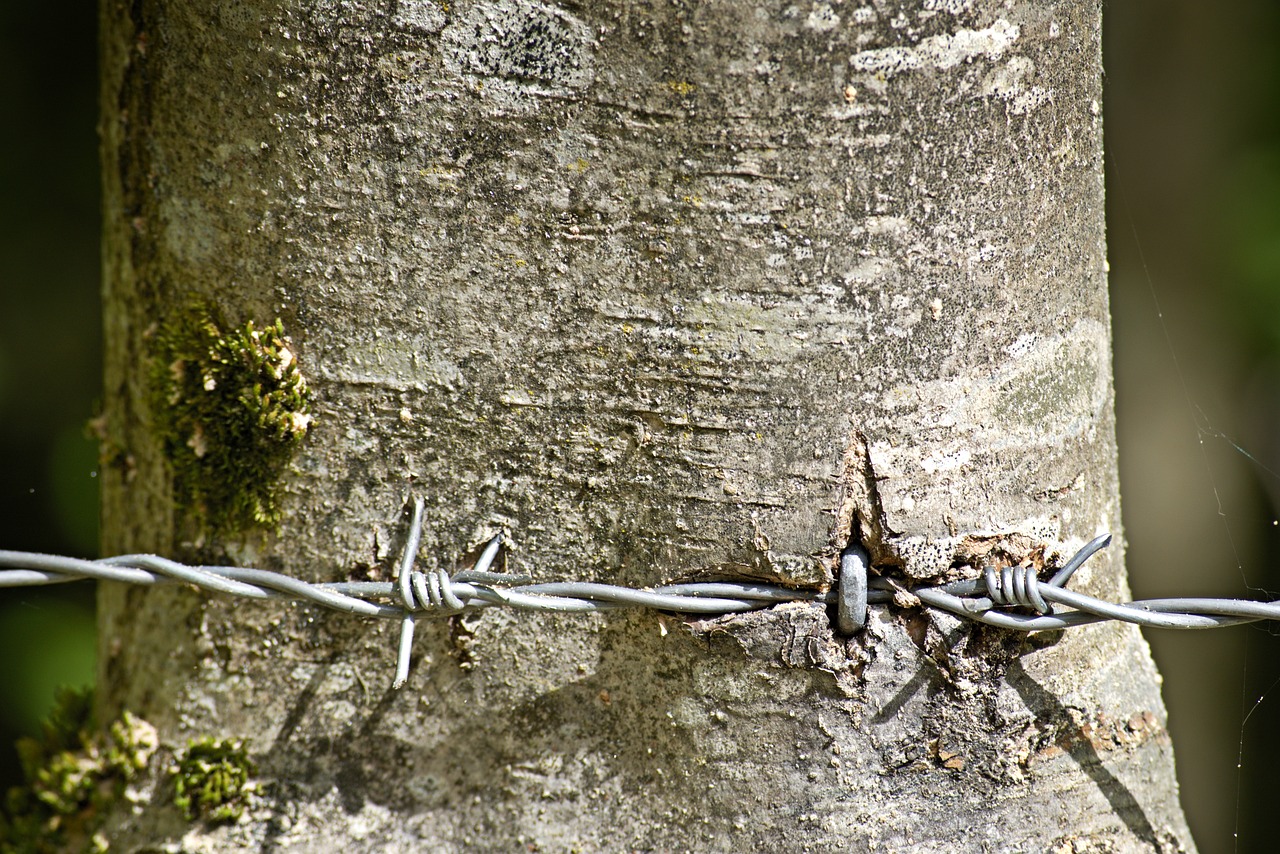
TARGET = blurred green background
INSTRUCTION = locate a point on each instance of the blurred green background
(50, 347)
(1193, 139)
(1193, 170)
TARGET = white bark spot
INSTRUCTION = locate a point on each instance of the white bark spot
(870, 270)
(895, 227)
(822, 18)
(424, 16)
(516, 397)
(951, 7)
(1009, 83)
(951, 459)
(940, 52)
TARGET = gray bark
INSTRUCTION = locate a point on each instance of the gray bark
(660, 290)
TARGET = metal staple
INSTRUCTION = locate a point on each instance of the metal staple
(999, 598)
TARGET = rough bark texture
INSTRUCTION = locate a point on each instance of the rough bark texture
(659, 289)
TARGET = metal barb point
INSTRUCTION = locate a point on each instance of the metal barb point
(405, 582)
(1062, 576)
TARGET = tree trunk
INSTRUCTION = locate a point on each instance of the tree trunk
(660, 289)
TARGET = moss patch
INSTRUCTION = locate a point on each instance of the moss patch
(72, 773)
(212, 782)
(231, 407)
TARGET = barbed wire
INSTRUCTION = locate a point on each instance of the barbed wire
(998, 598)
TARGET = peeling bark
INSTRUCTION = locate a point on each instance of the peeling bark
(660, 290)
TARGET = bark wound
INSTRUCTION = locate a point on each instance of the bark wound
(922, 558)
(861, 512)
(798, 635)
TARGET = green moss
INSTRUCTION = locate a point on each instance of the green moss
(212, 781)
(72, 772)
(231, 408)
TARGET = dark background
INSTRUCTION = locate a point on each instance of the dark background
(50, 347)
(1193, 149)
(1193, 170)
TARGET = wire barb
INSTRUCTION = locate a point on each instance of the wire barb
(999, 597)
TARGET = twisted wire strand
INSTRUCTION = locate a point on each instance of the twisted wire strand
(999, 597)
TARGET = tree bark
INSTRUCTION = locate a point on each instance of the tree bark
(660, 290)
